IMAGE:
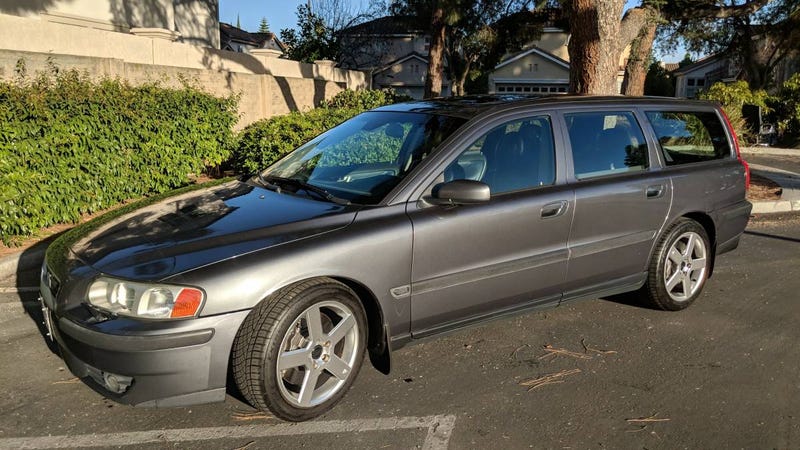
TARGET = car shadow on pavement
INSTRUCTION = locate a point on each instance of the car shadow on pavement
(771, 236)
(627, 299)
(27, 283)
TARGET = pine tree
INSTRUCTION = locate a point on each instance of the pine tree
(264, 26)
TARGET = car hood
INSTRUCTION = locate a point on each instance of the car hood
(180, 231)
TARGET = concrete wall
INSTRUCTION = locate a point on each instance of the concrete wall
(268, 86)
(194, 22)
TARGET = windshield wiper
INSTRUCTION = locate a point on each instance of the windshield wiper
(301, 185)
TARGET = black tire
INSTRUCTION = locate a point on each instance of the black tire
(263, 333)
(655, 292)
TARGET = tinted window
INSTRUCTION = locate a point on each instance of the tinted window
(688, 137)
(605, 143)
(516, 155)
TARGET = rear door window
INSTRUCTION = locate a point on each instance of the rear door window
(606, 143)
(689, 137)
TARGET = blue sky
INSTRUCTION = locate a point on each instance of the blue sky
(281, 14)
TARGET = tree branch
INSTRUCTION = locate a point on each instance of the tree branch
(722, 11)
(633, 22)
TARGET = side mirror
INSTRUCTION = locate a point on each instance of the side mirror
(460, 192)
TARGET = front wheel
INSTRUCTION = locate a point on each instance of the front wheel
(299, 351)
(679, 267)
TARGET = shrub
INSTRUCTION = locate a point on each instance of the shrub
(786, 114)
(364, 100)
(264, 142)
(71, 146)
(733, 96)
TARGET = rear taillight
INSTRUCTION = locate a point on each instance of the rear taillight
(738, 153)
(746, 173)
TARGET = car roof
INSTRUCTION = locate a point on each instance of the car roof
(470, 106)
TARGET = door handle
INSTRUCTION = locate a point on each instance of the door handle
(554, 209)
(655, 191)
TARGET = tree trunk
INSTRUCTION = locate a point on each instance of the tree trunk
(597, 41)
(461, 79)
(583, 47)
(433, 81)
(636, 68)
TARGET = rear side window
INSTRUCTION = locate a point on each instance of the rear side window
(689, 137)
(606, 143)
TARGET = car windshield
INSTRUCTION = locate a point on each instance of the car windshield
(362, 159)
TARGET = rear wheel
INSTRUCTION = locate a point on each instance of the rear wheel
(679, 266)
(298, 352)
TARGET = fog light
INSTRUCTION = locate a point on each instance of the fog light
(116, 383)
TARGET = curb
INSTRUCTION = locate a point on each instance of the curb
(788, 181)
(24, 260)
(770, 151)
(778, 206)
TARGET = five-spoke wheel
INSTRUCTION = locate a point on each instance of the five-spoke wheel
(318, 353)
(299, 350)
(679, 266)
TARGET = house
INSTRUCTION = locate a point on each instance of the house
(533, 70)
(542, 65)
(237, 40)
(393, 50)
(699, 75)
(193, 22)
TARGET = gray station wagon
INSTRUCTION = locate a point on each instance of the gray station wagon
(403, 222)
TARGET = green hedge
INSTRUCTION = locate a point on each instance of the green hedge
(264, 142)
(71, 146)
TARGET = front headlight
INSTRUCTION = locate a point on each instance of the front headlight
(155, 301)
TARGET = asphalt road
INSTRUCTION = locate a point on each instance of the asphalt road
(785, 162)
(722, 374)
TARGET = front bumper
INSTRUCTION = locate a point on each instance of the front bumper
(160, 363)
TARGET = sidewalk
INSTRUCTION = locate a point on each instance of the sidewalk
(789, 181)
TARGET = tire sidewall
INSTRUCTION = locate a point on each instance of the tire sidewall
(663, 299)
(269, 378)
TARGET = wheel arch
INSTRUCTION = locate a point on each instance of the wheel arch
(708, 224)
(377, 336)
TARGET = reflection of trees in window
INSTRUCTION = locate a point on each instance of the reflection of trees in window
(368, 147)
(636, 155)
(689, 137)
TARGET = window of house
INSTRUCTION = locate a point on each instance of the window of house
(690, 82)
(689, 137)
(606, 143)
(501, 88)
(514, 156)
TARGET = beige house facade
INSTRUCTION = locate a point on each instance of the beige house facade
(393, 51)
(534, 70)
(541, 67)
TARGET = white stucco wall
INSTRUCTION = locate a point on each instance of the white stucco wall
(197, 21)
